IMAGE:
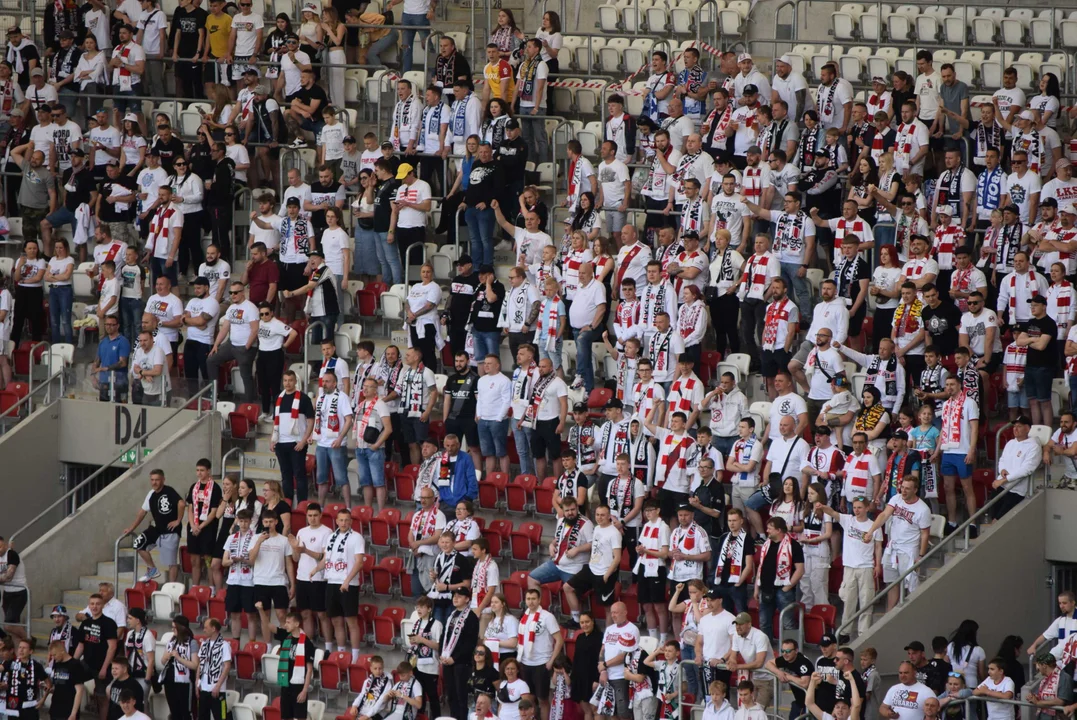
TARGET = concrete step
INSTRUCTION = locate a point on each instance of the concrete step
(255, 473)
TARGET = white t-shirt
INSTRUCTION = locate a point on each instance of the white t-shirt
(750, 645)
(198, 306)
(334, 243)
(240, 316)
(313, 539)
(550, 406)
(717, 632)
(246, 28)
(908, 700)
(997, 710)
(165, 309)
(927, 88)
(324, 433)
(541, 650)
(271, 335)
(147, 361)
(968, 663)
(790, 404)
(269, 566)
(340, 552)
(111, 289)
(855, 552)
(1020, 190)
(604, 541)
(618, 639)
(269, 236)
(417, 192)
(906, 524)
(58, 266)
(215, 273)
(107, 138)
(970, 411)
(515, 690)
(976, 328)
(153, 23)
(612, 177)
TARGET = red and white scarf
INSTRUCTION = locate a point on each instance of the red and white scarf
(903, 143)
(202, 495)
(299, 662)
(953, 411)
(1013, 365)
(1029, 279)
(947, 239)
(424, 522)
(530, 627)
(567, 536)
(627, 261)
(785, 561)
(478, 581)
(1048, 690)
(363, 412)
(756, 275)
(683, 387)
(858, 472)
(294, 411)
(960, 282)
(753, 184)
(777, 314)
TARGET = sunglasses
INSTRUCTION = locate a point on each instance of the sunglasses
(235, 292)
(179, 163)
(229, 134)
(954, 675)
(265, 314)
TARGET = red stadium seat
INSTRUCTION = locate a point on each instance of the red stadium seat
(827, 613)
(519, 492)
(361, 516)
(386, 574)
(596, 402)
(708, 365)
(404, 487)
(332, 672)
(217, 610)
(384, 632)
(491, 489)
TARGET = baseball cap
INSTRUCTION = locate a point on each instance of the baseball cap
(942, 209)
(292, 201)
(77, 151)
(37, 72)
(744, 619)
(1049, 202)
(67, 35)
(1027, 115)
(915, 645)
(1023, 419)
(614, 404)
(787, 59)
(252, 71)
(878, 79)
(130, 117)
(685, 506)
(743, 56)
(821, 153)
(579, 407)
(112, 162)
(1062, 162)
(1039, 300)
(310, 7)
(465, 591)
(317, 253)
(349, 139)
(201, 280)
(1068, 207)
(750, 89)
(714, 594)
(13, 30)
(901, 435)
(486, 269)
(826, 640)
(59, 610)
(512, 124)
(755, 149)
(1011, 208)
(403, 171)
(464, 259)
(16, 112)
(261, 89)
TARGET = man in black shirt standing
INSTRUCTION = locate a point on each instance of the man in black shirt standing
(794, 668)
(512, 156)
(167, 145)
(483, 188)
(68, 682)
(115, 200)
(458, 412)
(782, 566)
(188, 32)
(461, 297)
(324, 194)
(832, 668)
(942, 320)
(122, 682)
(76, 187)
(915, 652)
(219, 196)
(485, 311)
(383, 217)
(938, 668)
(166, 507)
(97, 648)
(1040, 336)
(708, 501)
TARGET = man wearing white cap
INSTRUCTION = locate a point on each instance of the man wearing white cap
(1063, 241)
(789, 86)
(1063, 187)
(879, 99)
(750, 75)
(1029, 139)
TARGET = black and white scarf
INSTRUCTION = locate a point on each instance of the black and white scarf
(371, 692)
(985, 138)
(180, 672)
(211, 660)
(136, 657)
(889, 373)
(423, 630)
(454, 628)
(808, 143)
(65, 635)
(585, 452)
(569, 481)
(23, 682)
(845, 274)
(63, 63)
(931, 382)
(789, 232)
(950, 189)
(444, 566)
(826, 100)
(1009, 242)
(414, 383)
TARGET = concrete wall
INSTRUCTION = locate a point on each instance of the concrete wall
(74, 547)
(94, 433)
(1003, 576)
(31, 481)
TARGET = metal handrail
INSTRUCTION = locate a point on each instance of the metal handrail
(13, 411)
(242, 461)
(306, 341)
(29, 604)
(799, 608)
(961, 531)
(33, 349)
(116, 562)
(211, 387)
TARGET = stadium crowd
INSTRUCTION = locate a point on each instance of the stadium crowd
(790, 231)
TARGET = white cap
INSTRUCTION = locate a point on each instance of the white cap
(130, 117)
(944, 209)
(1068, 207)
(879, 79)
(1027, 115)
(787, 59)
(743, 56)
(310, 7)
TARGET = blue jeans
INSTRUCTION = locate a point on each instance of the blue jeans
(131, 318)
(800, 286)
(338, 457)
(735, 599)
(585, 368)
(494, 437)
(441, 614)
(480, 227)
(392, 272)
(691, 670)
(379, 46)
(406, 51)
(61, 298)
(523, 448)
(371, 467)
(324, 326)
(486, 343)
(771, 602)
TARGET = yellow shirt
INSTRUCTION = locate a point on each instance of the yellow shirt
(218, 29)
(497, 73)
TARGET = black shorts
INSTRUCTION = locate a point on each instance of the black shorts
(204, 543)
(774, 361)
(586, 580)
(537, 678)
(669, 501)
(652, 589)
(239, 598)
(13, 605)
(341, 604)
(465, 428)
(291, 276)
(272, 596)
(545, 442)
(290, 707)
(310, 595)
(415, 431)
(994, 363)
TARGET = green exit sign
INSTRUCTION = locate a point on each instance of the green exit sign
(130, 455)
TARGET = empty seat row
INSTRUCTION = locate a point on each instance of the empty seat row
(661, 17)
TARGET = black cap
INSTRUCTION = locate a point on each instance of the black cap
(1011, 208)
(579, 407)
(155, 153)
(316, 253)
(77, 151)
(614, 404)
(915, 645)
(900, 435)
(250, 71)
(826, 640)
(464, 259)
(963, 250)
(486, 269)
(1039, 299)
(292, 201)
(714, 594)
(349, 139)
(1023, 419)
(201, 280)
(512, 124)
(750, 89)
(67, 35)
(685, 506)
(465, 591)
(821, 153)
(1049, 202)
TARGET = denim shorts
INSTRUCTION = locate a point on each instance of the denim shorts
(494, 437)
(1038, 383)
(61, 217)
(1017, 399)
(548, 572)
(131, 104)
(954, 464)
(338, 457)
(554, 357)
(371, 467)
(756, 501)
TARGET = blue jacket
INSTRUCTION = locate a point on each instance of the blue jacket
(463, 485)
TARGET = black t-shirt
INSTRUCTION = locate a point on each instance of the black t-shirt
(320, 194)
(79, 186)
(95, 637)
(934, 674)
(1048, 357)
(383, 204)
(287, 660)
(484, 183)
(770, 563)
(220, 192)
(307, 96)
(66, 677)
(834, 685)
(460, 298)
(512, 154)
(9, 559)
(28, 53)
(169, 150)
(115, 712)
(461, 389)
(215, 498)
(187, 23)
(164, 507)
(484, 314)
(712, 496)
(108, 212)
(799, 666)
(942, 324)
